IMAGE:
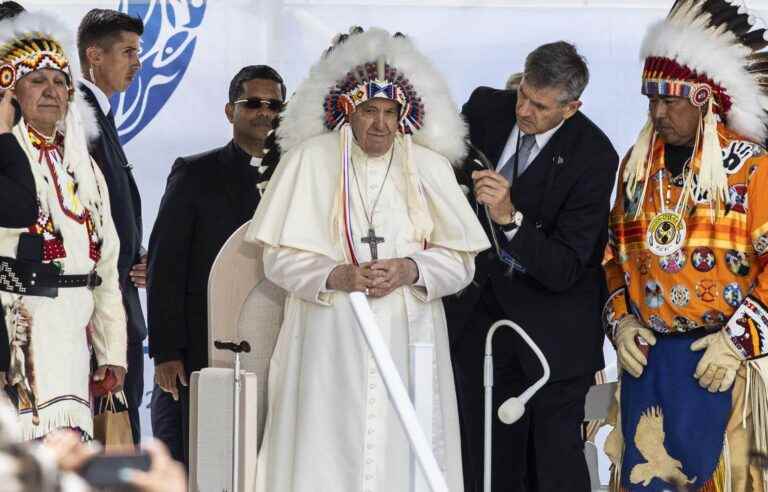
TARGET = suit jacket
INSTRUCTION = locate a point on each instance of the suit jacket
(564, 195)
(126, 211)
(18, 195)
(18, 208)
(207, 197)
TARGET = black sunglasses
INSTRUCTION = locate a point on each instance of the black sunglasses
(256, 103)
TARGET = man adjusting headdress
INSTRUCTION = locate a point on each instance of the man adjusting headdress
(364, 199)
(688, 278)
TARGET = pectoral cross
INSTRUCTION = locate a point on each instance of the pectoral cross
(372, 240)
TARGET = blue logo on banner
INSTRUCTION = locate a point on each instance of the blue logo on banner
(170, 35)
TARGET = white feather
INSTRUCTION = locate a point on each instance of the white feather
(22, 25)
(443, 131)
(26, 23)
(717, 54)
(80, 124)
(88, 116)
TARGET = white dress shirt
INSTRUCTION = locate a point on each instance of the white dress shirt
(509, 151)
(509, 148)
(101, 98)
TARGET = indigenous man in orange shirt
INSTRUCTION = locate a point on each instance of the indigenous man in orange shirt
(688, 279)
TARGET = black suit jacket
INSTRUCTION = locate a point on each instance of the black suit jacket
(18, 195)
(125, 202)
(564, 195)
(207, 197)
(18, 208)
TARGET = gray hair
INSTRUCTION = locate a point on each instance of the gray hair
(557, 65)
(513, 82)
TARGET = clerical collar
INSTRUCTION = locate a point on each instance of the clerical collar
(101, 98)
(248, 158)
(239, 150)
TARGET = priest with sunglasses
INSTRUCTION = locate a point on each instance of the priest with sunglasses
(207, 197)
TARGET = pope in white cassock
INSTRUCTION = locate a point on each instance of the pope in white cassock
(364, 199)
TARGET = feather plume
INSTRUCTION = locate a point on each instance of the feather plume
(713, 37)
(634, 171)
(712, 177)
(443, 131)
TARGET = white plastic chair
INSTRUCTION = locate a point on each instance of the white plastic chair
(242, 305)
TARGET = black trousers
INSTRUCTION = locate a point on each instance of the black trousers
(170, 422)
(541, 452)
(134, 386)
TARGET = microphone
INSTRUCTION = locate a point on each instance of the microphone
(511, 410)
(237, 348)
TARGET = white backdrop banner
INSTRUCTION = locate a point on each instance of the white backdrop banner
(192, 48)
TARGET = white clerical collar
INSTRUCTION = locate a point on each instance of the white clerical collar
(101, 98)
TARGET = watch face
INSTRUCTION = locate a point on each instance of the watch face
(517, 218)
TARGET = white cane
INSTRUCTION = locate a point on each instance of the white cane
(511, 410)
(397, 393)
(237, 348)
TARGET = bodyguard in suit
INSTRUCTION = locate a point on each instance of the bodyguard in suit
(207, 197)
(543, 195)
(108, 46)
(18, 198)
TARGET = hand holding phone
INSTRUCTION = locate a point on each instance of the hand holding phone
(10, 111)
(165, 474)
(109, 470)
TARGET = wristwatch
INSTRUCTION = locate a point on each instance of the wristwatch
(517, 221)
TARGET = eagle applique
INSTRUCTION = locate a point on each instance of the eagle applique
(649, 439)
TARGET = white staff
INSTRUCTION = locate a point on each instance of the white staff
(511, 410)
(397, 393)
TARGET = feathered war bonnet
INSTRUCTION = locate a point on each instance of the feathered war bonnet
(32, 41)
(361, 66)
(709, 51)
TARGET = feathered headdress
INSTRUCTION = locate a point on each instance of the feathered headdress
(711, 52)
(365, 65)
(33, 41)
(30, 42)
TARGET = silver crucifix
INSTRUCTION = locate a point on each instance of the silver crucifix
(372, 240)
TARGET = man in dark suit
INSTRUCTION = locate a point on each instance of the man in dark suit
(108, 46)
(18, 197)
(207, 197)
(543, 195)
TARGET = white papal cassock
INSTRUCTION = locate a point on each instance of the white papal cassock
(330, 425)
